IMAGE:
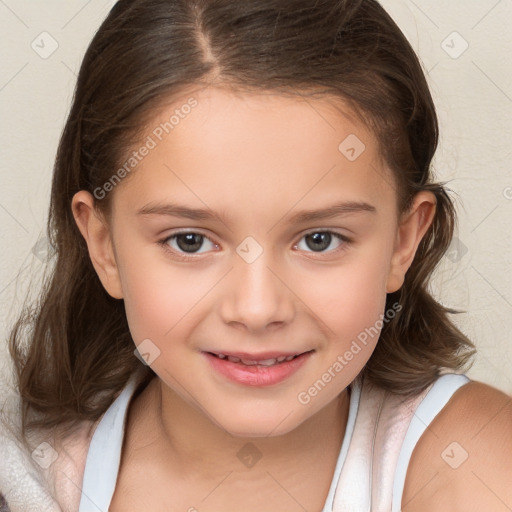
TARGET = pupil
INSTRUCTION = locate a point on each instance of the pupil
(192, 241)
(324, 239)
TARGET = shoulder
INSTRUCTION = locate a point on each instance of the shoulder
(463, 460)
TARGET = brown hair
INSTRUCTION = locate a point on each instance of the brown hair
(80, 353)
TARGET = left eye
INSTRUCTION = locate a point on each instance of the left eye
(318, 241)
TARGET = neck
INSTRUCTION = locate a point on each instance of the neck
(198, 444)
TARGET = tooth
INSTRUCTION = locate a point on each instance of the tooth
(234, 359)
(249, 363)
(281, 359)
(289, 358)
(222, 356)
(267, 362)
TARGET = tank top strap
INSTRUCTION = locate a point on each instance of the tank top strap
(386, 431)
(437, 397)
(104, 454)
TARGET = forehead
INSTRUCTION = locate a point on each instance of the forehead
(219, 147)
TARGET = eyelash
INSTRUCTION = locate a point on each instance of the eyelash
(190, 257)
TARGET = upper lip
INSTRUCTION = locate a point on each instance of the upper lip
(263, 356)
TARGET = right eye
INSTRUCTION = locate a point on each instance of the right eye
(185, 243)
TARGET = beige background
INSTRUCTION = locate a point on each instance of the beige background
(465, 46)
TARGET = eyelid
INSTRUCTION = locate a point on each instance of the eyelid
(324, 230)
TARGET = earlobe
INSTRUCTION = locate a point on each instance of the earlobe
(96, 232)
(412, 228)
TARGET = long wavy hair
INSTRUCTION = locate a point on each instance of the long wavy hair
(73, 351)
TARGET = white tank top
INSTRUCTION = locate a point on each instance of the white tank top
(381, 433)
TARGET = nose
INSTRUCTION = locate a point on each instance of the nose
(257, 297)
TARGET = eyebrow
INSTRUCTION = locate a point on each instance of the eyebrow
(175, 210)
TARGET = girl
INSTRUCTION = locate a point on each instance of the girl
(238, 318)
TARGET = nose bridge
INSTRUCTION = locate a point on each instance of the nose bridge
(256, 296)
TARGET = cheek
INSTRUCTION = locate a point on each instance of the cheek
(351, 297)
(157, 295)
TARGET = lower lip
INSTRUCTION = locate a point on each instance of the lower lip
(257, 375)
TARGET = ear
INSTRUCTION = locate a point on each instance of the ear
(96, 232)
(412, 227)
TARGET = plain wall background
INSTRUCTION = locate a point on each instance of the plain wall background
(465, 47)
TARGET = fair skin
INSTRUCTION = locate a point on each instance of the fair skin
(255, 161)
(478, 418)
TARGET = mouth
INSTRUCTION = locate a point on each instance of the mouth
(264, 360)
(257, 369)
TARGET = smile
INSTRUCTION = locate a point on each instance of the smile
(253, 362)
(257, 369)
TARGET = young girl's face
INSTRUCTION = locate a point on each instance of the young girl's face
(293, 252)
